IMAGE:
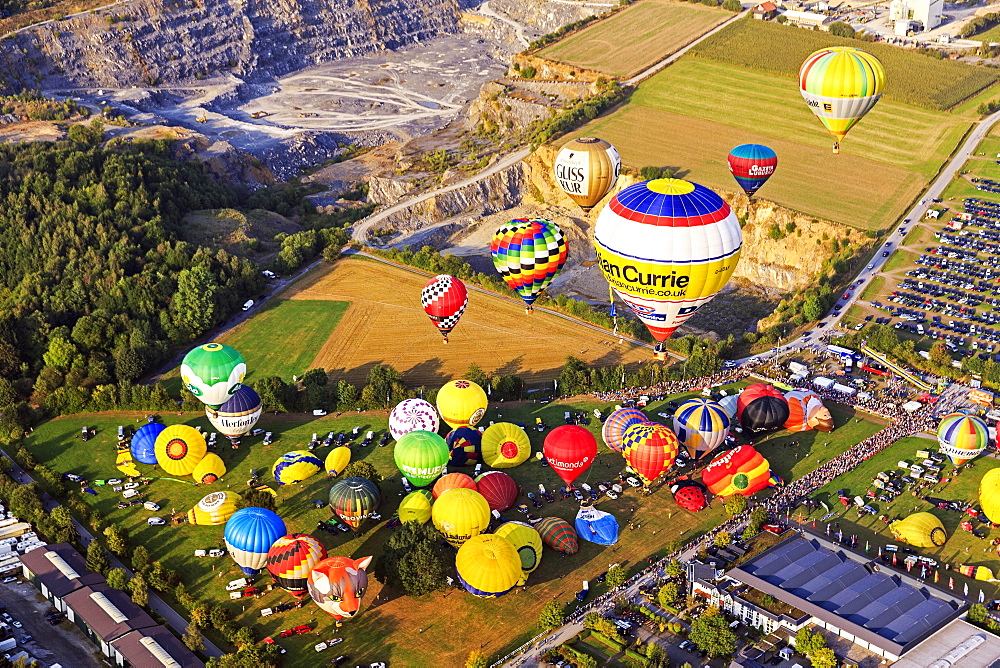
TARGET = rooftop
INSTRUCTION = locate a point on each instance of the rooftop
(60, 568)
(155, 648)
(109, 612)
(957, 645)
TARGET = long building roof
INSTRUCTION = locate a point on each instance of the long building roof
(60, 568)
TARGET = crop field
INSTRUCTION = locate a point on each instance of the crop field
(635, 38)
(912, 78)
(690, 115)
(400, 630)
(386, 324)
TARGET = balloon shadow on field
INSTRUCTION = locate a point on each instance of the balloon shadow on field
(510, 368)
(418, 373)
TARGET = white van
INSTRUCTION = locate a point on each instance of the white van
(149, 505)
(129, 493)
(248, 305)
(237, 584)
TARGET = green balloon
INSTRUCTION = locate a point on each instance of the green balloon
(213, 372)
(421, 456)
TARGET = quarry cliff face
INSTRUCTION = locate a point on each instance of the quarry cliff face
(149, 42)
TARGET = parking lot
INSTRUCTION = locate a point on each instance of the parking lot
(64, 644)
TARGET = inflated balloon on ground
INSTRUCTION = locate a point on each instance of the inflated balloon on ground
(238, 415)
(505, 445)
(214, 508)
(806, 411)
(920, 530)
(337, 585)
(143, 445)
(290, 560)
(690, 495)
(337, 461)
(249, 534)
(989, 495)
(488, 565)
(296, 466)
(616, 424)
(498, 488)
(452, 481)
(742, 470)
(354, 500)
(179, 448)
(528, 544)
(465, 444)
(762, 407)
(209, 469)
(460, 514)
(462, 403)
(962, 437)
(570, 450)
(412, 415)
(558, 534)
(596, 526)
(421, 456)
(701, 426)
(650, 449)
(416, 506)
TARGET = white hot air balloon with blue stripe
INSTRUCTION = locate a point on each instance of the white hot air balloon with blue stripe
(701, 425)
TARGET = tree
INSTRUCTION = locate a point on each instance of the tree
(192, 638)
(97, 559)
(978, 613)
(257, 498)
(415, 560)
(475, 373)
(585, 661)
(362, 469)
(656, 656)
(551, 616)
(673, 569)
(138, 591)
(807, 642)
(602, 625)
(939, 355)
(194, 301)
(117, 540)
(616, 576)
(723, 539)
(347, 396)
(476, 659)
(140, 558)
(219, 616)
(711, 632)
(824, 658)
(758, 518)
(244, 637)
(812, 308)
(733, 6)
(60, 353)
(736, 505)
(668, 594)
(201, 615)
(841, 29)
(118, 578)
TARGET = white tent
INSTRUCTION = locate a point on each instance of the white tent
(821, 381)
(911, 406)
(844, 389)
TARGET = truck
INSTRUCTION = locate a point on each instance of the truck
(582, 594)
(248, 305)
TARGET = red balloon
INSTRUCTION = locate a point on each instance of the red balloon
(690, 495)
(444, 299)
(650, 449)
(756, 391)
(571, 450)
(498, 488)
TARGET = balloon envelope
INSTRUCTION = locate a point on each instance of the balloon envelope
(841, 84)
(459, 514)
(213, 372)
(337, 585)
(558, 534)
(690, 495)
(412, 415)
(465, 444)
(742, 470)
(214, 508)
(444, 299)
(701, 425)
(528, 254)
(337, 461)
(488, 565)
(667, 247)
(421, 456)
(728, 404)
(238, 415)
(452, 481)
(249, 534)
(752, 165)
(416, 507)
(597, 526)
(528, 544)
(920, 529)
(295, 466)
(144, 442)
(505, 445)
(179, 448)
(354, 499)
(290, 560)
(498, 488)
(650, 449)
(806, 411)
(962, 437)
(209, 469)
(762, 407)
(462, 403)
(570, 450)
(616, 424)
(587, 169)
(989, 495)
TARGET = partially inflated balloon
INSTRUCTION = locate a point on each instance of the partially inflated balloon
(488, 565)
(291, 559)
(505, 445)
(214, 508)
(354, 499)
(806, 411)
(452, 481)
(209, 469)
(444, 299)
(412, 415)
(650, 449)
(920, 529)
(742, 470)
(462, 403)
(841, 84)
(989, 495)
(337, 461)
(416, 507)
(729, 404)
(752, 165)
(761, 407)
(421, 456)
(690, 495)
(459, 514)
(249, 534)
(587, 169)
(558, 534)
(616, 424)
(144, 442)
(295, 466)
(179, 448)
(528, 254)
(238, 415)
(465, 444)
(498, 488)
(213, 372)
(701, 425)
(667, 247)
(962, 437)
(596, 526)
(337, 584)
(570, 450)
(528, 544)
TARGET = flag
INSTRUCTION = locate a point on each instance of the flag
(982, 596)
(894, 561)
(966, 593)
(937, 576)
(866, 548)
(840, 536)
(814, 524)
(879, 551)
(951, 583)
(828, 529)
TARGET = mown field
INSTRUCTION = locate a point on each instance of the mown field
(388, 628)
(912, 78)
(635, 38)
(691, 114)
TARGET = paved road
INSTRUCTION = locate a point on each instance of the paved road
(157, 604)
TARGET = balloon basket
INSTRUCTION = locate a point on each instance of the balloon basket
(660, 355)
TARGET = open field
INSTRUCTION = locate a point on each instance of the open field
(900, 259)
(635, 38)
(385, 324)
(690, 115)
(388, 628)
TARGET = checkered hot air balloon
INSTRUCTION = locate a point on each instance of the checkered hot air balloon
(290, 560)
(528, 254)
(616, 424)
(444, 299)
(650, 449)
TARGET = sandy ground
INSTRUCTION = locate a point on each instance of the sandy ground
(385, 324)
(63, 644)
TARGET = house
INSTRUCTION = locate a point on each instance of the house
(105, 614)
(57, 571)
(764, 11)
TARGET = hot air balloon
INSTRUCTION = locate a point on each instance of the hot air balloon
(528, 254)
(728, 404)
(752, 165)
(989, 495)
(650, 449)
(337, 584)
(416, 507)
(761, 407)
(249, 534)
(690, 495)
(465, 444)
(528, 544)
(290, 560)
(444, 299)
(488, 565)
(213, 372)
(570, 450)
(558, 534)
(596, 526)
(978, 572)
(920, 530)
(179, 448)
(295, 466)
(505, 445)
(144, 442)
(962, 437)
(421, 456)
(412, 415)
(617, 423)
(214, 508)
(209, 469)
(354, 499)
(337, 461)
(452, 481)
(462, 403)
(701, 425)
(841, 84)
(238, 415)
(806, 411)
(498, 488)
(667, 247)
(587, 169)
(459, 514)
(742, 470)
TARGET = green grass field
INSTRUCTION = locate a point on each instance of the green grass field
(900, 259)
(387, 628)
(634, 39)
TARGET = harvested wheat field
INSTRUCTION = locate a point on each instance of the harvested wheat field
(385, 324)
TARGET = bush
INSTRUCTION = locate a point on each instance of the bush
(841, 29)
(734, 6)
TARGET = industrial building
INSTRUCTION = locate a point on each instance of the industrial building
(925, 12)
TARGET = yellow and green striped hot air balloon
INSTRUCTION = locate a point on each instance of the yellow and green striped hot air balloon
(841, 84)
